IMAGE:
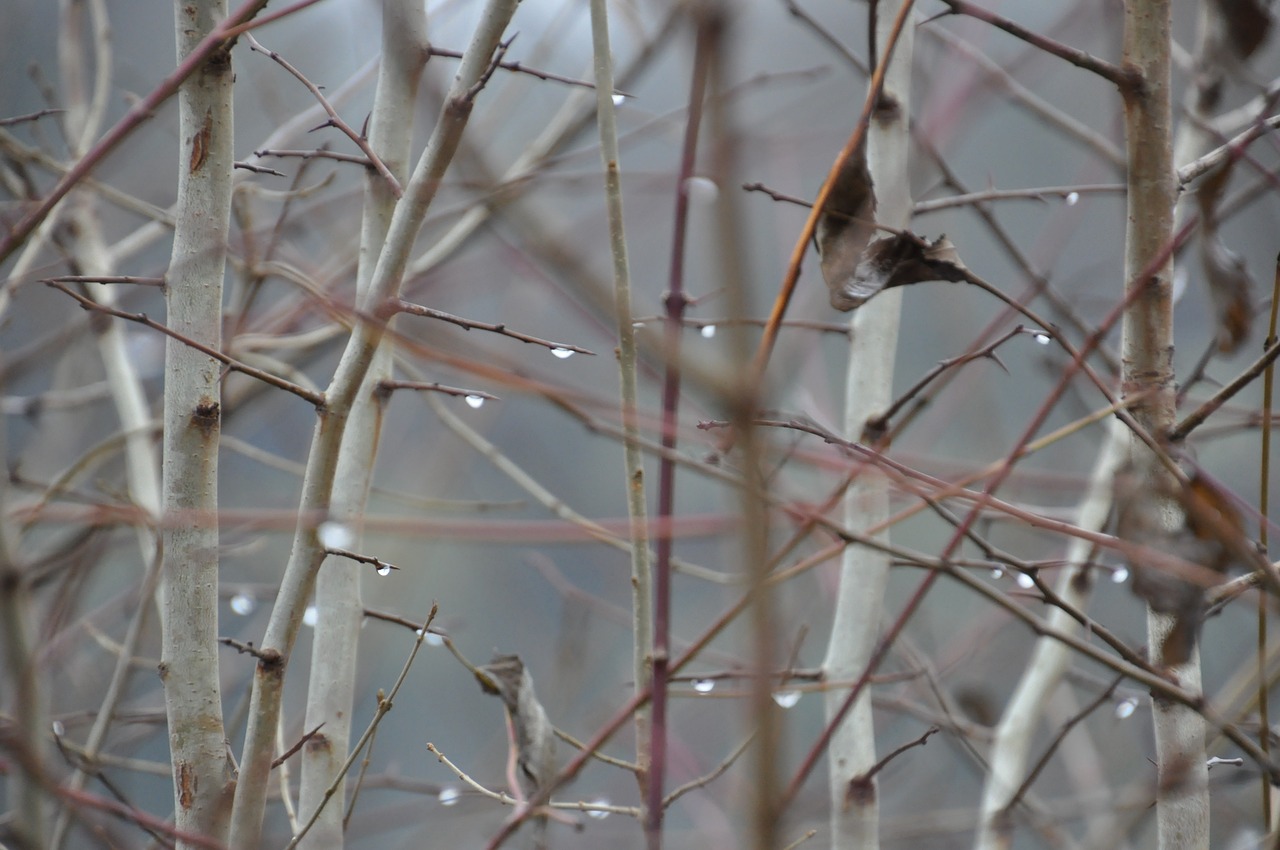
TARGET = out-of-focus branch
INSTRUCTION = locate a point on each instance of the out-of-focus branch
(202, 772)
(317, 489)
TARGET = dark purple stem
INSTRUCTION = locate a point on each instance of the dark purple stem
(675, 302)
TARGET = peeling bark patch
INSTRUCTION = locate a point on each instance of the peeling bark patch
(200, 143)
(187, 785)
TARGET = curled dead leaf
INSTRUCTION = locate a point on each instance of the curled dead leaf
(898, 260)
(1247, 24)
(1187, 537)
(1230, 288)
(846, 224)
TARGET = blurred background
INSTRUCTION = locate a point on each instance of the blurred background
(507, 575)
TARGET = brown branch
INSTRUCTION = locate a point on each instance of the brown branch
(1197, 417)
(335, 120)
(316, 398)
(494, 62)
(249, 649)
(714, 774)
(319, 153)
(519, 68)
(880, 765)
(114, 278)
(30, 116)
(216, 40)
(287, 754)
(383, 567)
(258, 169)
(1057, 742)
(402, 306)
(433, 387)
(1079, 58)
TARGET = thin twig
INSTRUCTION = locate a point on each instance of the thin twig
(316, 398)
(216, 40)
(402, 306)
(384, 706)
(1222, 396)
(519, 68)
(433, 387)
(1079, 58)
(335, 120)
(287, 754)
(383, 567)
(113, 278)
(1043, 761)
(30, 116)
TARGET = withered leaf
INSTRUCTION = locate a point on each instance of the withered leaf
(1247, 22)
(898, 260)
(846, 224)
(531, 730)
(1230, 288)
(1182, 532)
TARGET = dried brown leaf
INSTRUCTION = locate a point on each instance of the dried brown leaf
(1247, 24)
(899, 260)
(534, 736)
(1230, 292)
(846, 224)
(1185, 554)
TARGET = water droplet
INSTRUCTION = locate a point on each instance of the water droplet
(310, 616)
(58, 729)
(562, 353)
(997, 573)
(1120, 575)
(619, 99)
(243, 604)
(596, 813)
(433, 639)
(335, 535)
(474, 400)
(384, 569)
(708, 331)
(704, 686)
(1072, 198)
(701, 190)
(1025, 581)
(1043, 338)
(448, 795)
(786, 699)
(1126, 708)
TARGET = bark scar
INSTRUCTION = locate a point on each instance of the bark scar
(200, 143)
